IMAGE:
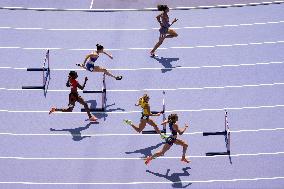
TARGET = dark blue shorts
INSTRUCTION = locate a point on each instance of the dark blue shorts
(144, 116)
(163, 30)
(90, 66)
(170, 140)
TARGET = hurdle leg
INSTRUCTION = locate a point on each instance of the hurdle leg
(214, 133)
(218, 153)
(33, 87)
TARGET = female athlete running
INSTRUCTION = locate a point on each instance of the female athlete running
(172, 139)
(165, 32)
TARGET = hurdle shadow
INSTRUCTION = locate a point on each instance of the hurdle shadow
(166, 63)
(75, 132)
(100, 115)
(146, 151)
(174, 177)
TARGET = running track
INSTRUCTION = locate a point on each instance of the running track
(223, 58)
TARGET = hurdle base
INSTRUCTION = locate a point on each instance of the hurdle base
(218, 153)
(153, 132)
(214, 133)
(37, 69)
(33, 87)
(94, 110)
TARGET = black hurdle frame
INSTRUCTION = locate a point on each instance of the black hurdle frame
(104, 99)
(43, 69)
(222, 133)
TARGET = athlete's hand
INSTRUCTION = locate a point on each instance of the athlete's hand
(175, 20)
(158, 114)
(186, 126)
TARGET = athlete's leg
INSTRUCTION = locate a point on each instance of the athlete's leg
(81, 101)
(161, 40)
(153, 124)
(171, 33)
(105, 71)
(161, 152)
(184, 146)
(140, 127)
(71, 105)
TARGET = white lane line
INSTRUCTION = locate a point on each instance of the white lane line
(95, 29)
(131, 134)
(165, 89)
(145, 9)
(168, 111)
(123, 158)
(41, 48)
(28, 28)
(143, 29)
(148, 48)
(136, 158)
(144, 182)
(91, 6)
(10, 47)
(151, 68)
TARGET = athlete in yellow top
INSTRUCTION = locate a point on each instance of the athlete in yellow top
(145, 118)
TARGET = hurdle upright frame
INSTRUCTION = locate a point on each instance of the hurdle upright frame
(43, 70)
(225, 133)
(104, 99)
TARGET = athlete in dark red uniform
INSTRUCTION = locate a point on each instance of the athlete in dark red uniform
(74, 96)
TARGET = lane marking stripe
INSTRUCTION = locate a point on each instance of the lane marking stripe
(131, 134)
(169, 111)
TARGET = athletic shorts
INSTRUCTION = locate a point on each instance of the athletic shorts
(163, 30)
(144, 116)
(170, 140)
(90, 66)
(73, 97)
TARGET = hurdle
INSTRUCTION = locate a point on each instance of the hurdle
(164, 118)
(226, 133)
(43, 70)
(104, 99)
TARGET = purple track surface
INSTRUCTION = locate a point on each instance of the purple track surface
(229, 58)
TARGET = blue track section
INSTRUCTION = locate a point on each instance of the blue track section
(222, 59)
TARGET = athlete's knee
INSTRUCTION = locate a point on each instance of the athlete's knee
(161, 40)
(154, 125)
(85, 104)
(175, 35)
(185, 145)
(160, 153)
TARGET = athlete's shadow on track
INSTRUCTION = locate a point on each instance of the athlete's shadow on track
(76, 132)
(146, 151)
(94, 104)
(166, 62)
(174, 177)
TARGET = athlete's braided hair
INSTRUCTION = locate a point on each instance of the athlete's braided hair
(162, 7)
